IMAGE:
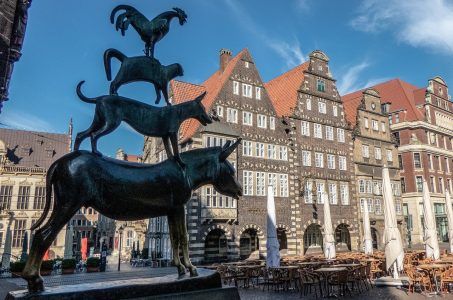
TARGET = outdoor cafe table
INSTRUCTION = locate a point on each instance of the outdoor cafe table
(431, 268)
(348, 265)
(325, 272)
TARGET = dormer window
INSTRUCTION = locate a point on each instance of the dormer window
(320, 68)
(246, 64)
(321, 85)
(441, 92)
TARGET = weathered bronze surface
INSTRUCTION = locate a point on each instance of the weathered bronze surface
(129, 191)
(150, 31)
(141, 68)
(148, 120)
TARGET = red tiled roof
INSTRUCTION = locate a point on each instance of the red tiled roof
(133, 158)
(400, 93)
(186, 91)
(283, 89)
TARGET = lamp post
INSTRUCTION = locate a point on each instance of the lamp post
(120, 231)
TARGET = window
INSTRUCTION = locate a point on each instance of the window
(305, 128)
(329, 133)
(440, 162)
(129, 238)
(377, 153)
(283, 185)
(18, 233)
(365, 151)
(247, 148)
(398, 207)
(232, 115)
(369, 203)
(220, 111)
(271, 151)
(308, 103)
(403, 185)
(441, 185)
(262, 121)
(383, 126)
(247, 90)
(259, 150)
(247, 118)
(377, 206)
(23, 197)
(375, 125)
(283, 153)
(235, 87)
(368, 187)
(335, 110)
(308, 192)
(6, 193)
(377, 187)
(342, 163)
(318, 131)
(246, 64)
(447, 165)
(333, 193)
(40, 197)
(419, 183)
(272, 123)
(389, 155)
(322, 107)
(306, 158)
(319, 160)
(321, 85)
(320, 190)
(344, 193)
(365, 122)
(400, 161)
(272, 181)
(258, 93)
(397, 118)
(340, 135)
(248, 183)
(331, 161)
(390, 120)
(417, 161)
(260, 184)
(361, 186)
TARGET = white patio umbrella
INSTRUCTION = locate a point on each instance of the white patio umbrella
(272, 245)
(69, 240)
(431, 243)
(329, 240)
(367, 240)
(450, 218)
(6, 256)
(394, 253)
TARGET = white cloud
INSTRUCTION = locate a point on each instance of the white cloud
(303, 5)
(23, 120)
(419, 23)
(354, 79)
(290, 52)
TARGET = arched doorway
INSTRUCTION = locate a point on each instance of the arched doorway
(248, 243)
(282, 240)
(216, 249)
(343, 238)
(374, 237)
(313, 239)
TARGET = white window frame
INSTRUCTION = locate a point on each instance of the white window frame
(235, 87)
(306, 158)
(329, 133)
(375, 125)
(248, 183)
(319, 160)
(260, 184)
(335, 110)
(383, 126)
(305, 128)
(322, 107)
(272, 123)
(378, 153)
(247, 118)
(320, 190)
(232, 115)
(342, 165)
(247, 90)
(344, 193)
(272, 180)
(271, 151)
(366, 151)
(283, 153)
(389, 155)
(261, 121)
(220, 111)
(308, 103)
(257, 93)
(283, 183)
(331, 161)
(340, 135)
(247, 148)
(308, 192)
(365, 122)
(259, 150)
(333, 197)
(318, 130)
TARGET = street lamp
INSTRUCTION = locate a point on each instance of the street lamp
(120, 231)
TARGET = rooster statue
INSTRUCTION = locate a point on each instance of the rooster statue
(150, 31)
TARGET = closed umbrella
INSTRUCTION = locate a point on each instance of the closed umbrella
(6, 256)
(69, 241)
(394, 253)
(431, 243)
(367, 240)
(272, 245)
(450, 218)
(24, 254)
(329, 240)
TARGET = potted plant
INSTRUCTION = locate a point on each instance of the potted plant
(46, 267)
(93, 264)
(16, 268)
(68, 266)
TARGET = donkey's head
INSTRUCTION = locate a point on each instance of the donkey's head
(195, 109)
(225, 181)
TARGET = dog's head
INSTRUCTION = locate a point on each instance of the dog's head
(198, 110)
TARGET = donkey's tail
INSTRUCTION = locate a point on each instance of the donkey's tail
(108, 54)
(82, 96)
(49, 182)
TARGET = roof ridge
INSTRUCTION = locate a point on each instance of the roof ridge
(186, 82)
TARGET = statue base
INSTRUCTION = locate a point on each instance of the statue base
(207, 285)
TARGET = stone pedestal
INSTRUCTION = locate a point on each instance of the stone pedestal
(207, 286)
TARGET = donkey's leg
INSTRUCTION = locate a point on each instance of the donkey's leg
(166, 141)
(174, 238)
(107, 128)
(174, 143)
(80, 137)
(182, 230)
(157, 93)
(165, 94)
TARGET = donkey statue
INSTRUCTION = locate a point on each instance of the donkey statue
(128, 191)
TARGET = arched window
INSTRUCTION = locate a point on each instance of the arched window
(282, 240)
(216, 246)
(248, 243)
(342, 237)
(312, 237)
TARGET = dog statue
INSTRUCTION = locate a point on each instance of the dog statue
(141, 68)
(148, 120)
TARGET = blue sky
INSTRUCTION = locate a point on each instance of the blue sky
(367, 41)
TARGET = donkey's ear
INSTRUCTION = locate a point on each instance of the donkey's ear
(227, 149)
(199, 98)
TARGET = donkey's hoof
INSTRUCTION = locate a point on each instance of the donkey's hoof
(181, 272)
(193, 272)
(35, 285)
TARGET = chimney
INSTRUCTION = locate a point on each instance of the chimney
(225, 57)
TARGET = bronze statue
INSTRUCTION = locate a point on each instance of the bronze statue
(150, 31)
(148, 120)
(129, 191)
(141, 68)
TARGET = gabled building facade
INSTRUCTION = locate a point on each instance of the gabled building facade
(374, 147)
(321, 153)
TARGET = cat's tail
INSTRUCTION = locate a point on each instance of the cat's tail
(82, 96)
